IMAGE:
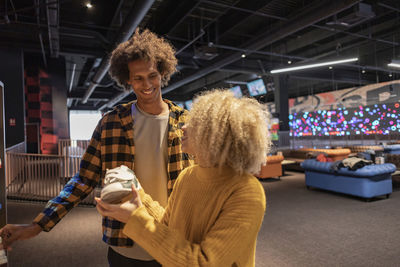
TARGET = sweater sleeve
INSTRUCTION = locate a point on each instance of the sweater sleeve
(154, 209)
(77, 188)
(235, 230)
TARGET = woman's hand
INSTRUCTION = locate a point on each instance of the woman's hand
(120, 212)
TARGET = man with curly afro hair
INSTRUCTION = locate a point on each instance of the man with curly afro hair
(145, 135)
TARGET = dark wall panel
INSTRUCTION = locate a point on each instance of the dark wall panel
(12, 75)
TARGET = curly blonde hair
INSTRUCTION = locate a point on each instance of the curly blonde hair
(225, 130)
(147, 46)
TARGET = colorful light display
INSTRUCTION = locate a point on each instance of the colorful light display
(374, 119)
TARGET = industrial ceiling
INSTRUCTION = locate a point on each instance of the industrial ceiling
(219, 43)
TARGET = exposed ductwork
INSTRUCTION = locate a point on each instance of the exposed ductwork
(135, 16)
(302, 20)
(52, 11)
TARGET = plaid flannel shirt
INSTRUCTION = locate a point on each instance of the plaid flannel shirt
(112, 145)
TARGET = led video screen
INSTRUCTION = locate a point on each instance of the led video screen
(374, 119)
(237, 92)
(256, 87)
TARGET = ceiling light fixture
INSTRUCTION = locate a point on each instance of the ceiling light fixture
(89, 5)
(316, 65)
(394, 63)
(243, 55)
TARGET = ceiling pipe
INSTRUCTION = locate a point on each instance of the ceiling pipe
(135, 16)
(52, 11)
(37, 13)
(299, 22)
(330, 29)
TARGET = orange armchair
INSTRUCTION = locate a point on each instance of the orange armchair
(273, 168)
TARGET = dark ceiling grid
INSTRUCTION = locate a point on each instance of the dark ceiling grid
(326, 47)
(328, 31)
(268, 32)
(330, 49)
(239, 14)
(239, 10)
(298, 22)
(366, 34)
(255, 12)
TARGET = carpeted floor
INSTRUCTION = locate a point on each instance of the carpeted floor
(301, 228)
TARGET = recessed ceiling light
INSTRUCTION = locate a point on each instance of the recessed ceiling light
(243, 55)
(89, 5)
(330, 67)
(289, 62)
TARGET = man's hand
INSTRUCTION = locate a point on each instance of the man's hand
(120, 212)
(13, 232)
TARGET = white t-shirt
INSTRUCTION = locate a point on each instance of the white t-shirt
(150, 134)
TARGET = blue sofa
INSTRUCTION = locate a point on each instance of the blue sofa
(367, 182)
(392, 149)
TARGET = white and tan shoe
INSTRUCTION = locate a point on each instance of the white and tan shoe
(117, 184)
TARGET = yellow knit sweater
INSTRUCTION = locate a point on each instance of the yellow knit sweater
(212, 219)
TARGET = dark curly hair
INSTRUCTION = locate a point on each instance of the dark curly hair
(143, 45)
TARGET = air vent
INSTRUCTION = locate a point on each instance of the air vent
(360, 13)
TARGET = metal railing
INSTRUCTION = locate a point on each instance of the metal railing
(33, 176)
(41, 177)
(71, 152)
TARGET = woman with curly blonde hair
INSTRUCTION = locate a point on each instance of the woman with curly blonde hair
(217, 206)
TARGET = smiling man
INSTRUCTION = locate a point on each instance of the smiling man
(144, 135)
